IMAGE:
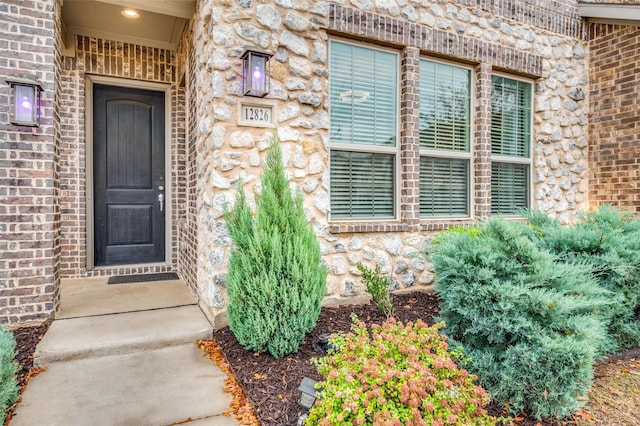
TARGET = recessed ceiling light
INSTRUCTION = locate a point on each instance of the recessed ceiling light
(130, 13)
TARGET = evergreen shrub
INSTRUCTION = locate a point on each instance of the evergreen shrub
(395, 374)
(377, 286)
(531, 323)
(8, 370)
(609, 240)
(276, 281)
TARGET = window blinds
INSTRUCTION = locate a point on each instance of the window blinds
(444, 186)
(362, 184)
(363, 86)
(445, 126)
(510, 137)
(510, 117)
(445, 101)
(509, 188)
(363, 95)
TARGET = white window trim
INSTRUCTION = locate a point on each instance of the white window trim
(520, 160)
(458, 155)
(374, 149)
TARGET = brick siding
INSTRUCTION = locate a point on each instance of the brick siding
(482, 138)
(187, 243)
(614, 117)
(113, 59)
(410, 137)
(29, 211)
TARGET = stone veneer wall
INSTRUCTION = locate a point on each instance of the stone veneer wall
(29, 210)
(113, 59)
(545, 41)
(614, 117)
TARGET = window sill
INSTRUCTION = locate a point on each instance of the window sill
(442, 224)
(355, 227)
(424, 225)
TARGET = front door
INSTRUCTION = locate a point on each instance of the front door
(129, 181)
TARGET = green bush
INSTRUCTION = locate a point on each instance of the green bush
(8, 369)
(395, 375)
(276, 280)
(378, 287)
(531, 323)
(609, 240)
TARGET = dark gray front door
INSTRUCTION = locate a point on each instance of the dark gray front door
(128, 164)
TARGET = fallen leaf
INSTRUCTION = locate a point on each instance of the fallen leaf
(240, 406)
(583, 414)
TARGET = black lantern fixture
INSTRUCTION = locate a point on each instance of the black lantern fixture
(25, 91)
(255, 72)
(307, 393)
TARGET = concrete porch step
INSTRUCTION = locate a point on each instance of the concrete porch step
(124, 333)
(156, 387)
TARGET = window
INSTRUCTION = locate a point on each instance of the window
(510, 145)
(363, 98)
(445, 139)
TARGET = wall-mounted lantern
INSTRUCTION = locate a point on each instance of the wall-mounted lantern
(25, 92)
(255, 72)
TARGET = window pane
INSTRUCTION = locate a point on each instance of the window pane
(444, 187)
(362, 185)
(363, 85)
(509, 188)
(445, 99)
(510, 117)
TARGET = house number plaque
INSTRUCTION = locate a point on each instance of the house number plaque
(260, 115)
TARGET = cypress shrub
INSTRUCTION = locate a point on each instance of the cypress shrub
(8, 369)
(530, 323)
(608, 239)
(276, 281)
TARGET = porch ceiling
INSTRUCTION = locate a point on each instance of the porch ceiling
(160, 23)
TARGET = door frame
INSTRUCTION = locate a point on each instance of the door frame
(90, 80)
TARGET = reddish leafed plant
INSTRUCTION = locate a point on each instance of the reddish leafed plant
(396, 374)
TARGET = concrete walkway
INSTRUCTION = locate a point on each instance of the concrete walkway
(125, 354)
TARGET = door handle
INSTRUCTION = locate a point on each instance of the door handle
(161, 201)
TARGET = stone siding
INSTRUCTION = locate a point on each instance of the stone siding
(546, 44)
(29, 209)
(614, 116)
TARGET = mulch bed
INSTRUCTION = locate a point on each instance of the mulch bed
(26, 340)
(271, 385)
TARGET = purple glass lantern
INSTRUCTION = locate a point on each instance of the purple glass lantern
(26, 92)
(255, 73)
